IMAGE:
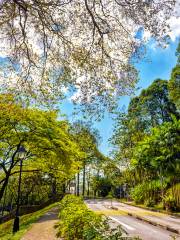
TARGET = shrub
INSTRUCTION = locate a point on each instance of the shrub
(175, 190)
(147, 192)
(149, 203)
(77, 222)
(137, 194)
(169, 202)
(172, 198)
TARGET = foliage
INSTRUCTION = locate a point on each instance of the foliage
(146, 143)
(102, 185)
(146, 192)
(149, 203)
(172, 198)
(51, 44)
(150, 109)
(88, 140)
(160, 151)
(174, 82)
(78, 222)
(169, 202)
(52, 155)
(112, 172)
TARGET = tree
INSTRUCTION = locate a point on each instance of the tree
(146, 140)
(112, 172)
(102, 185)
(158, 153)
(150, 109)
(87, 44)
(174, 82)
(50, 148)
(153, 106)
(87, 139)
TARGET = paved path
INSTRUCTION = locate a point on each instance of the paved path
(133, 226)
(43, 229)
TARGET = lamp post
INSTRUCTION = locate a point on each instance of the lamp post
(20, 154)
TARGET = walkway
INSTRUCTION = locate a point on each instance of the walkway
(43, 229)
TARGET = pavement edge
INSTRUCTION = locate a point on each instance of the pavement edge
(169, 228)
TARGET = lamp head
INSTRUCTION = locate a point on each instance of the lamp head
(21, 152)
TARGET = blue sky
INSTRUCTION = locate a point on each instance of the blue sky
(157, 64)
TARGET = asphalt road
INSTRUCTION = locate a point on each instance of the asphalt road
(131, 225)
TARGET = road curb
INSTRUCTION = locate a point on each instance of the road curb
(153, 210)
(169, 228)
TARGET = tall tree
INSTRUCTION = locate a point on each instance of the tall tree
(174, 82)
(88, 140)
(153, 106)
(150, 109)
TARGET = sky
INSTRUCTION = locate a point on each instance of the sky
(158, 63)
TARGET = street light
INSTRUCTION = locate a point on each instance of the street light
(20, 154)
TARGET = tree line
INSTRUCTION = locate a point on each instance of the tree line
(146, 143)
(55, 151)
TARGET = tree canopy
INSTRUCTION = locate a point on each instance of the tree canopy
(50, 148)
(174, 82)
(48, 45)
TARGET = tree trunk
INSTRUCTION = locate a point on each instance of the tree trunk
(84, 179)
(54, 192)
(95, 191)
(4, 186)
(77, 192)
(4, 202)
(64, 188)
(88, 188)
(8, 172)
(89, 181)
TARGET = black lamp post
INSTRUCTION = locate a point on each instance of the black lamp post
(20, 154)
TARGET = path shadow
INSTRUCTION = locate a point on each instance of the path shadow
(50, 215)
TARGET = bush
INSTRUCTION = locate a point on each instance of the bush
(169, 202)
(137, 194)
(172, 198)
(148, 193)
(149, 203)
(77, 222)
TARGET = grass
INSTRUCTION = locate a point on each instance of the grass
(111, 212)
(158, 208)
(25, 223)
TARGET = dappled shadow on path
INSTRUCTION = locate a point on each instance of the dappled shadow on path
(51, 215)
(44, 229)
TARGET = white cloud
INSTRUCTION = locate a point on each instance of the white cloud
(146, 35)
(174, 23)
(64, 89)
